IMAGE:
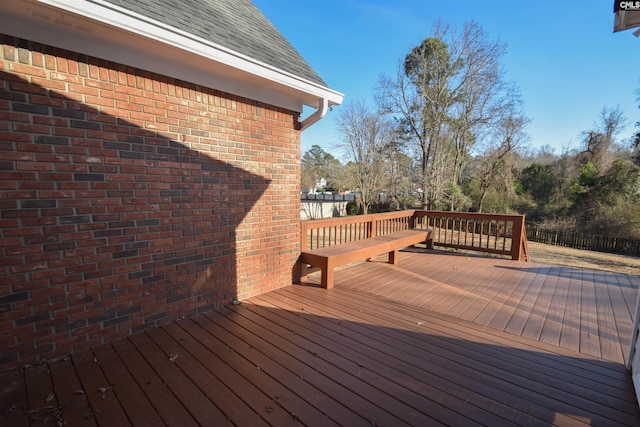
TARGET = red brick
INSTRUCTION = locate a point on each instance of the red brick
(45, 100)
(50, 121)
(174, 214)
(31, 128)
(72, 66)
(28, 70)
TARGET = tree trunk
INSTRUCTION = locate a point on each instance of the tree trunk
(483, 194)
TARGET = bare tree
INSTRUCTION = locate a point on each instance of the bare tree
(598, 141)
(366, 137)
(483, 93)
(420, 97)
(496, 169)
(401, 177)
(445, 93)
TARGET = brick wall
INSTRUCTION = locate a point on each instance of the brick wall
(128, 199)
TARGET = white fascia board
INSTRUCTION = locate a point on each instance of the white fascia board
(101, 29)
(626, 20)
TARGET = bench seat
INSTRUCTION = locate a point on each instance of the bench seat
(330, 257)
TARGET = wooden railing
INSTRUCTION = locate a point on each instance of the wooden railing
(490, 233)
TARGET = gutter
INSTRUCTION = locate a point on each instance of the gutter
(316, 116)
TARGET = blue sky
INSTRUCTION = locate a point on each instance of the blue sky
(563, 56)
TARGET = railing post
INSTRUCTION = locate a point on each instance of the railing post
(517, 237)
(303, 236)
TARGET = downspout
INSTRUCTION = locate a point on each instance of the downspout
(316, 116)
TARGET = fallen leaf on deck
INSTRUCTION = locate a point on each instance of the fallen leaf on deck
(103, 391)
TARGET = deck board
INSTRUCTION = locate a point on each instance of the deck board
(570, 333)
(589, 338)
(374, 350)
(607, 328)
(541, 307)
(554, 318)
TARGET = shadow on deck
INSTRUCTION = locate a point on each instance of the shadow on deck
(443, 341)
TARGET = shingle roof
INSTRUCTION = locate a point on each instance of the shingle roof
(234, 24)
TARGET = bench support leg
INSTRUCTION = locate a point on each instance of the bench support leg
(393, 257)
(304, 271)
(326, 278)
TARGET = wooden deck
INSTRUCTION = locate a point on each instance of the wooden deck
(437, 340)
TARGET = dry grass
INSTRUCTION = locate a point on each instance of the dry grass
(550, 254)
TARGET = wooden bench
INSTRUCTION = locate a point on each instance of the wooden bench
(330, 257)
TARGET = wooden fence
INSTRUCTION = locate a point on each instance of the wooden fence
(490, 233)
(572, 239)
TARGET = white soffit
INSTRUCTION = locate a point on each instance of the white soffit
(100, 29)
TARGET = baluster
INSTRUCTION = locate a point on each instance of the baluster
(504, 235)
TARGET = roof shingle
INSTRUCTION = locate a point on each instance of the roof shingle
(234, 24)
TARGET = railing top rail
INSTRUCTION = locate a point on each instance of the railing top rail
(357, 219)
(503, 217)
